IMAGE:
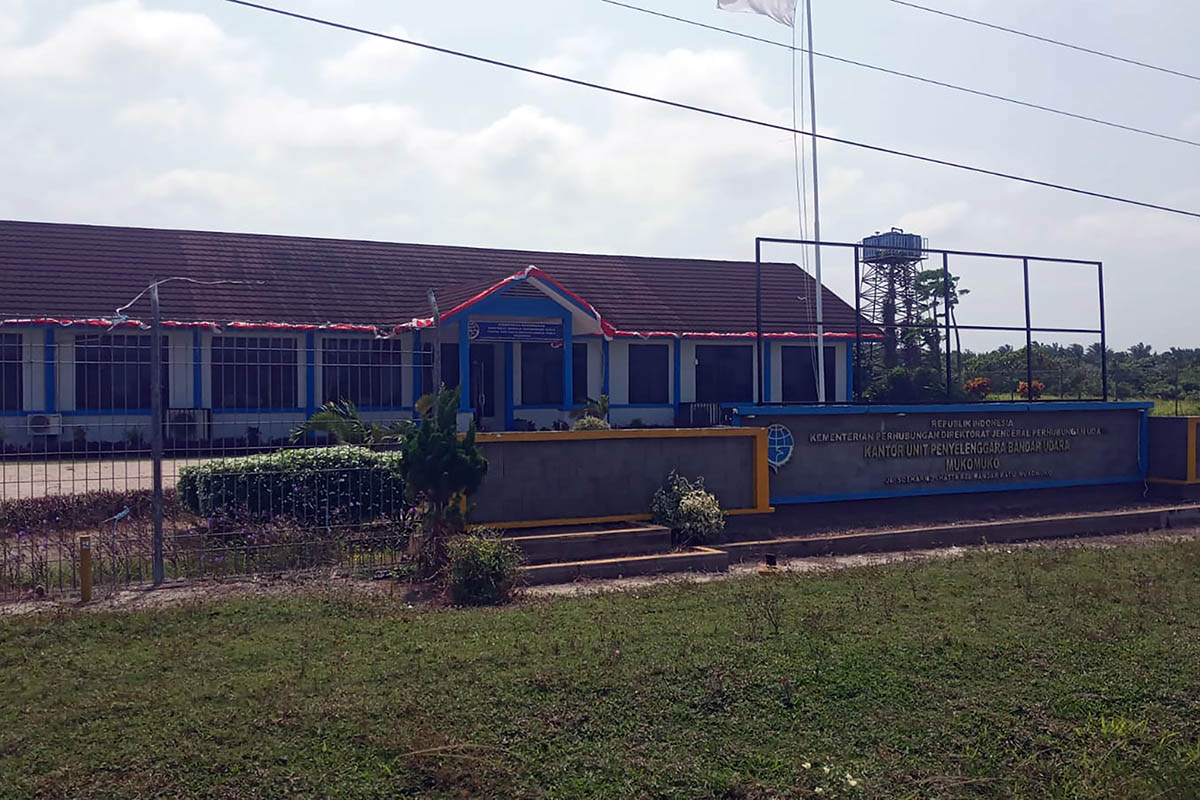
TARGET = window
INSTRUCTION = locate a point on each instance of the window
(483, 373)
(112, 372)
(579, 374)
(800, 370)
(648, 373)
(254, 372)
(11, 372)
(367, 372)
(542, 374)
(724, 374)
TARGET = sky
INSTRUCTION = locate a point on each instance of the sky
(201, 114)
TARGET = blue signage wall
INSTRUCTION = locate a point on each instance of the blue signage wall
(514, 331)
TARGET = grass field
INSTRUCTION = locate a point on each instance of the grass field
(1064, 673)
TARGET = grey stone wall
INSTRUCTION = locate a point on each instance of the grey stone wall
(563, 476)
(1169, 447)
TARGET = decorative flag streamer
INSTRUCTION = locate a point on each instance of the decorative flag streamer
(782, 11)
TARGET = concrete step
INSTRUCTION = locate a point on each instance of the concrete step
(629, 539)
(1000, 532)
(696, 559)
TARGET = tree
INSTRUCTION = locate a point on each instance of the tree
(931, 290)
(440, 470)
(341, 420)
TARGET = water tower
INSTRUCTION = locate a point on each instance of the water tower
(890, 263)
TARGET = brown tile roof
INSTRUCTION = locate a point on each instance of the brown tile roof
(84, 271)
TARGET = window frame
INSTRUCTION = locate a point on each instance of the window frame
(372, 379)
(807, 370)
(12, 371)
(88, 392)
(220, 369)
(551, 375)
(649, 399)
(726, 350)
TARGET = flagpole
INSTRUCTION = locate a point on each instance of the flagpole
(812, 102)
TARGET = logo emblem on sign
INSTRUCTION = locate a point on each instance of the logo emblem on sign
(780, 446)
(472, 329)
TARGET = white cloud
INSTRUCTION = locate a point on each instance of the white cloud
(373, 60)
(571, 55)
(717, 79)
(123, 29)
(206, 187)
(935, 220)
(1191, 124)
(170, 113)
(12, 18)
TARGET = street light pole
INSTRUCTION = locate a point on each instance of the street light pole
(812, 102)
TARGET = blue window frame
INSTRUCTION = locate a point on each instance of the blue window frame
(367, 372)
(112, 372)
(799, 363)
(254, 372)
(724, 373)
(649, 374)
(12, 372)
(542, 374)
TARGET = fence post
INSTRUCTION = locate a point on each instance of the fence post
(85, 568)
(156, 428)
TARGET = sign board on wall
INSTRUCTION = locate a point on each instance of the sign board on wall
(514, 331)
(842, 454)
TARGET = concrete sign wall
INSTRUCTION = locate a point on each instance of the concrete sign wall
(1174, 454)
(565, 477)
(843, 453)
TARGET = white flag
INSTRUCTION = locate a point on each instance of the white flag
(779, 10)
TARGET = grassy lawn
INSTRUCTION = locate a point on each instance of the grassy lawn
(1065, 673)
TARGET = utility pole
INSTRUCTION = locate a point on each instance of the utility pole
(156, 428)
(437, 342)
(812, 100)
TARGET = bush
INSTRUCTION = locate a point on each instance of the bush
(691, 512)
(325, 485)
(59, 513)
(978, 388)
(482, 569)
(1031, 393)
(590, 424)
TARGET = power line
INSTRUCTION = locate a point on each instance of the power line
(1048, 40)
(908, 75)
(714, 113)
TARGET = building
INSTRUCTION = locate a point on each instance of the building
(528, 335)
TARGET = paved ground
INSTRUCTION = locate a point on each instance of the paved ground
(22, 479)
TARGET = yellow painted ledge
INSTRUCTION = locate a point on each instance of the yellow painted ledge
(618, 433)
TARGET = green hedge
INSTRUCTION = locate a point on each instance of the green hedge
(323, 485)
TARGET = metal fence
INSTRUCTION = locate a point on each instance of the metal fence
(939, 319)
(83, 426)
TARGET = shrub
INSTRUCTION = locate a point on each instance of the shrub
(978, 388)
(591, 424)
(57, 513)
(688, 509)
(440, 469)
(326, 485)
(1031, 393)
(482, 569)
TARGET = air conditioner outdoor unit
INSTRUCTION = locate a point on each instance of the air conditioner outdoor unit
(44, 424)
(188, 423)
